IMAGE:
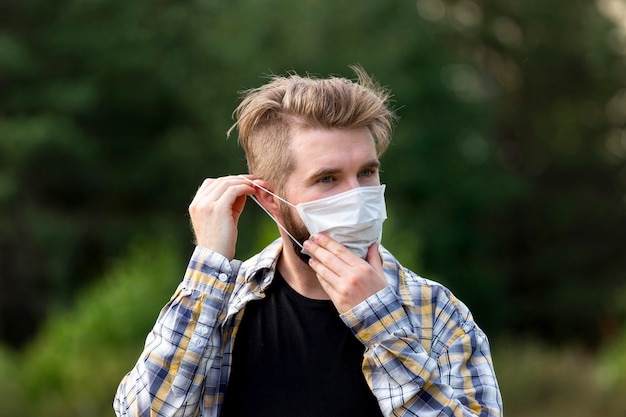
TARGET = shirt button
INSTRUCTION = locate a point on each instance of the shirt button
(222, 277)
(199, 342)
(203, 330)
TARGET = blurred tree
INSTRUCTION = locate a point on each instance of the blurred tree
(99, 141)
(506, 178)
(565, 245)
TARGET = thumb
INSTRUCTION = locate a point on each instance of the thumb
(374, 258)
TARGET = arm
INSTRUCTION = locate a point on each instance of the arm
(170, 374)
(424, 354)
(436, 362)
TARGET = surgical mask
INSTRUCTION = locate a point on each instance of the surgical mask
(353, 218)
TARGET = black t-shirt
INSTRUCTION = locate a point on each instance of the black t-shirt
(294, 357)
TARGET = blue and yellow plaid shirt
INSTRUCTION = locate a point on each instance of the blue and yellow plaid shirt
(424, 354)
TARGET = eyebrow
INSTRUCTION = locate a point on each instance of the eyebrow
(324, 172)
(374, 163)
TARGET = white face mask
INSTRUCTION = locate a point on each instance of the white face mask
(353, 218)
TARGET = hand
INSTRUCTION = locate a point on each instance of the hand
(346, 278)
(215, 212)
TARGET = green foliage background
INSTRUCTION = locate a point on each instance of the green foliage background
(75, 363)
(506, 178)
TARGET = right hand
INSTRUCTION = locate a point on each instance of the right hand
(215, 212)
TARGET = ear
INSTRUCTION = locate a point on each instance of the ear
(268, 201)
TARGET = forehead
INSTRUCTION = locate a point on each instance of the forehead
(332, 148)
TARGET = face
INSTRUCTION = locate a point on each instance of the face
(294, 225)
(328, 162)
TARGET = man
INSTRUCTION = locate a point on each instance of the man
(324, 321)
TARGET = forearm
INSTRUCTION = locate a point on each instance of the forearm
(413, 372)
(168, 377)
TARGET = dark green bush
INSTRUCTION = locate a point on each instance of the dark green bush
(75, 363)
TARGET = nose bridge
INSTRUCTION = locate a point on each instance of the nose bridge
(353, 182)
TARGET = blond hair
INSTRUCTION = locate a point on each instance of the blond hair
(268, 115)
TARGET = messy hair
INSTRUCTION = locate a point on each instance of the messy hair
(268, 115)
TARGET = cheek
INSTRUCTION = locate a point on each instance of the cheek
(292, 222)
(285, 214)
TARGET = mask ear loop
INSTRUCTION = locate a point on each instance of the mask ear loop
(267, 211)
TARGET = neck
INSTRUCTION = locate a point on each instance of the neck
(299, 275)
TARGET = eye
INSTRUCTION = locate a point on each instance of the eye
(326, 179)
(366, 173)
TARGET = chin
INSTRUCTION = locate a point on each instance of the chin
(302, 256)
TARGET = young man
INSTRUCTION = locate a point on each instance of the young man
(324, 321)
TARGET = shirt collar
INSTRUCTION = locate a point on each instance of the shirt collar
(258, 266)
(265, 260)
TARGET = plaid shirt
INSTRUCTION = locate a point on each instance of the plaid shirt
(424, 354)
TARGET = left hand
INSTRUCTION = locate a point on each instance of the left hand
(346, 278)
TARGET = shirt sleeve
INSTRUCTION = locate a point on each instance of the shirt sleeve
(168, 378)
(428, 358)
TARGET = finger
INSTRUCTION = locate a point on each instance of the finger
(335, 269)
(325, 274)
(374, 258)
(214, 188)
(226, 191)
(333, 253)
(346, 285)
(318, 247)
(215, 212)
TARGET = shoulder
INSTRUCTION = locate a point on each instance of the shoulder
(427, 301)
(265, 259)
